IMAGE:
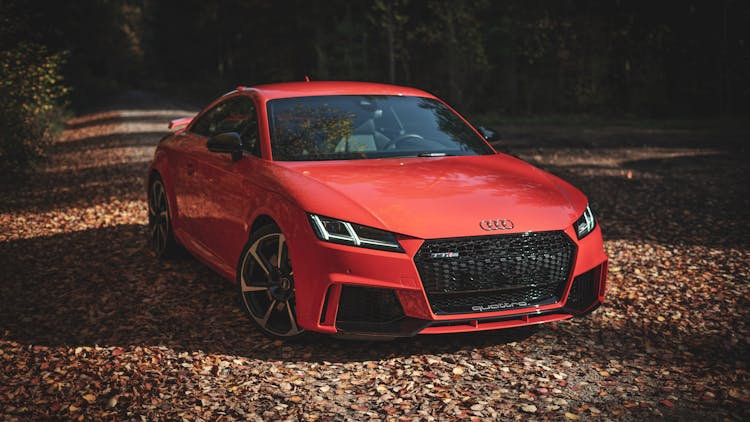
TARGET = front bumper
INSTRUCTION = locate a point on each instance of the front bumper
(354, 291)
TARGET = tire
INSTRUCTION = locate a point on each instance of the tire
(161, 238)
(266, 284)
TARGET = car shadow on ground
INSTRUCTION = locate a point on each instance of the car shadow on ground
(104, 287)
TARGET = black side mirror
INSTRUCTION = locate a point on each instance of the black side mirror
(488, 133)
(229, 142)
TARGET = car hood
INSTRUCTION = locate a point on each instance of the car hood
(434, 197)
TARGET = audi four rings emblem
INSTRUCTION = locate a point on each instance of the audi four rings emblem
(496, 224)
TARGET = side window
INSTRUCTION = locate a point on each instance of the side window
(229, 116)
(234, 117)
(206, 122)
(237, 114)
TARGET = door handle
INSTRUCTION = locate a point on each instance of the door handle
(190, 169)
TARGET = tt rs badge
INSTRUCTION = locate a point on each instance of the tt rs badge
(444, 255)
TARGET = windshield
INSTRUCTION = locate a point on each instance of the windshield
(348, 127)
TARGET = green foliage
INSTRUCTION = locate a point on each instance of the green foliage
(30, 103)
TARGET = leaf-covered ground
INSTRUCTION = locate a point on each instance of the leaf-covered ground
(93, 327)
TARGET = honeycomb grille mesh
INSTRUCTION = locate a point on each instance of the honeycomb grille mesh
(494, 272)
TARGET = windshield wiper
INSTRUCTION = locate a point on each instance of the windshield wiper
(431, 154)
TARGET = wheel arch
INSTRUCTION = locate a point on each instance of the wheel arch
(269, 207)
(162, 172)
(261, 220)
(152, 174)
(291, 220)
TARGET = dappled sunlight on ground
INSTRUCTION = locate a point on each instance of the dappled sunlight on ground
(92, 325)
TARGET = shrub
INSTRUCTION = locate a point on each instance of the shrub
(31, 104)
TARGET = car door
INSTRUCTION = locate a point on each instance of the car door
(222, 183)
(189, 199)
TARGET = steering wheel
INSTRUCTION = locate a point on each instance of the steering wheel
(393, 144)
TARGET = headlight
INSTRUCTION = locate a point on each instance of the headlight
(337, 231)
(585, 224)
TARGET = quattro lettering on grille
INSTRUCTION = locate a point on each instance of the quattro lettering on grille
(498, 306)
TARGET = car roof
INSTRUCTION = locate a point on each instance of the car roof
(318, 88)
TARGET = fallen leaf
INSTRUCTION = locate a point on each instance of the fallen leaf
(667, 403)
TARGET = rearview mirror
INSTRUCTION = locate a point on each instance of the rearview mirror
(229, 142)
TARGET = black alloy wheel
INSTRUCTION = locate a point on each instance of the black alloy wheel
(266, 282)
(159, 223)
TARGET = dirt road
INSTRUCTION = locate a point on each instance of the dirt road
(92, 326)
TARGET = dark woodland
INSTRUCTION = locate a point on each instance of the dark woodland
(646, 58)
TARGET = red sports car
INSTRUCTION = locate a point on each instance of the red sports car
(363, 209)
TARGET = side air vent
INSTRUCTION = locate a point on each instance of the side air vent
(584, 292)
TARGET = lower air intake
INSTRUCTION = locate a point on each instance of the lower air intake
(584, 292)
(368, 305)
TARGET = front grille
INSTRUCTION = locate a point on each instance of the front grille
(490, 273)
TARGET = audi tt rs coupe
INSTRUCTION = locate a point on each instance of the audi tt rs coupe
(368, 210)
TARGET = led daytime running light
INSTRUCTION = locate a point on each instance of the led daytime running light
(585, 224)
(352, 238)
